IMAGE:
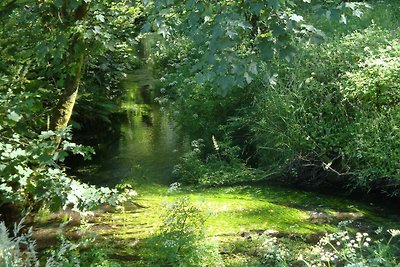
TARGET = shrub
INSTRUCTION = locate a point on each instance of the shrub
(373, 92)
(181, 239)
(11, 254)
(31, 172)
(333, 114)
(218, 168)
(18, 250)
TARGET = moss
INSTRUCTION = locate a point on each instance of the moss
(234, 210)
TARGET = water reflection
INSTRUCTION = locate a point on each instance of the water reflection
(149, 146)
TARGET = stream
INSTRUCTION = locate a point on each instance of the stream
(150, 144)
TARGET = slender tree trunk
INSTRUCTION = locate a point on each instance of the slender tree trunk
(75, 62)
(63, 111)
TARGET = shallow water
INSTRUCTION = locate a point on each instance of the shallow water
(150, 144)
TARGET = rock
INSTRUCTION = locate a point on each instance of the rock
(271, 232)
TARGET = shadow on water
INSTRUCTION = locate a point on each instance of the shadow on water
(150, 144)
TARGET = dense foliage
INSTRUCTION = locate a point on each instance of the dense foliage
(62, 46)
(326, 114)
(337, 116)
(18, 249)
(337, 249)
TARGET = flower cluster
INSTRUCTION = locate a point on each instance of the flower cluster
(340, 248)
(272, 251)
(394, 232)
(174, 187)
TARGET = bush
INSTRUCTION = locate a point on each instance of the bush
(373, 92)
(31, 172)
(219, 168)
(11, 254)
(333, 115)
(19, 250)
(181, 239)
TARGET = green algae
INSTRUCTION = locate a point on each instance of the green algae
(234, 210)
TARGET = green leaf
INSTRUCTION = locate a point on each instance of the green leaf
(14, 116)
(225, 83)
(266, 50)
(16, 153)
(274, 4)
(296, 18)
(358, 13)
(6, 189)
(253, 68)
(97, 30)
(256, 8)
(46, 134)
(100, 17)
(60, 156)
(248, 78)
(277, 30)
(200, 78)
(271, 79)
(333, 14)
(343, 19)
(146, 28)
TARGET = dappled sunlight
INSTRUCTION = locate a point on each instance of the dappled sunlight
(233, 211)
(170, 133)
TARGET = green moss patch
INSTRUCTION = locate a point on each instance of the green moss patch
(235, 213)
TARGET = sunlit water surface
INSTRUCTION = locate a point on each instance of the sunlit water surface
(149, 146)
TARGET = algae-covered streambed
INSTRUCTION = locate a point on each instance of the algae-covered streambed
(234, 214)
(248, 208)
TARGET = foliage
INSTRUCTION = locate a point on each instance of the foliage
(343, 249)
(19, 250)
(33, 78)
(77, 254)
(30, 170)
(31, 176)
(11, 254)
(113, 41)
(330, 118)
(337, 249)
(234, 41)
(219, 65)
(181, 240)
(221, 167)
(372, 92)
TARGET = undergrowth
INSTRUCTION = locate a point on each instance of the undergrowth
(181, 240)
(18, 249)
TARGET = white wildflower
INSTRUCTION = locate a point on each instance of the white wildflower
(216, 147)
(394, 232)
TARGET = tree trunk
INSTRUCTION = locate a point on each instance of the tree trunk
(66, 102)
(75, 62)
